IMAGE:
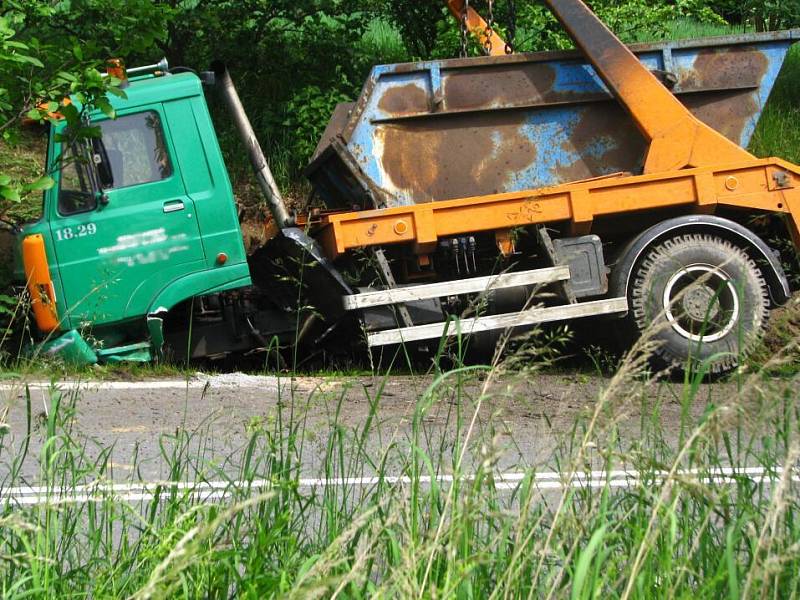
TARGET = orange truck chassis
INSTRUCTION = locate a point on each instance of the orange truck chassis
(767, 185)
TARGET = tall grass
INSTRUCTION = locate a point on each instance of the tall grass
(452, 527)
(684, 29)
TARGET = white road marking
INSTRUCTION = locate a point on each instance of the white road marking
(218, 490)
(102, 385)
(135, 429)
(246, 382)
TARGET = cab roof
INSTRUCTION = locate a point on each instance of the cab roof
(149, 89)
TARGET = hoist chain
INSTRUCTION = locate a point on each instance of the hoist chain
(512, 26)
(464, 29)
(488, 33)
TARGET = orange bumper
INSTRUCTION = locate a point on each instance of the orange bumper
(40, 284)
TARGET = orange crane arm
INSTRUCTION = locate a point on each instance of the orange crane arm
(677, 138)
(478, 26)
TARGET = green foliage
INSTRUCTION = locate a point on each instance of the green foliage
(44, 50)
(7, 306)
(278, 53)
(22, 160)
(418, 22)
(763, 15)
(778, 134)
(307, 113)
(429, 31)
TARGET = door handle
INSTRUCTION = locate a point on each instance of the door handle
(173, 206)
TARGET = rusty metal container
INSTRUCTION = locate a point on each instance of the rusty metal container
(448, 129)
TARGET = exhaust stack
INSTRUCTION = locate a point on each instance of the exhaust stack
(259, 163)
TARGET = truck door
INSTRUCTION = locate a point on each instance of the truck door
(115, 256)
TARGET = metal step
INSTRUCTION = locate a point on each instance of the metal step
(495, 322)
(455, 288)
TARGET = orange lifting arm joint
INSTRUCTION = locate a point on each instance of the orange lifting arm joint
(678, 139)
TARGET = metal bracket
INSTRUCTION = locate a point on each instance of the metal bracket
(547, 243)
(388, 276)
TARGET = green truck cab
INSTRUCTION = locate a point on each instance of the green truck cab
(163, 228)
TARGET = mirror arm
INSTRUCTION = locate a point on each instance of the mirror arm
(102, 163)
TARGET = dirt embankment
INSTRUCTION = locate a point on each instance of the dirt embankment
(6, 256)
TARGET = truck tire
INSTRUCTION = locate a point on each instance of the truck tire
(701, 298)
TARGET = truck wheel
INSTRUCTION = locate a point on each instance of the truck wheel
(701, 298)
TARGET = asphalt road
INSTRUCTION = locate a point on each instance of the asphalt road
(519, 421)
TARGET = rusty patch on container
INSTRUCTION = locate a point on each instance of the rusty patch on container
(467, 155)
(727, 112)
(727, 68)
(606, 125)
(499, 86)
(403, 100)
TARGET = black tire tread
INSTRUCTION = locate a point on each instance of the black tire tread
(638, 319)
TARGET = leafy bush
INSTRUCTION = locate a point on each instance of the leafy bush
(43, 61)
(763, 15)
(307, 114)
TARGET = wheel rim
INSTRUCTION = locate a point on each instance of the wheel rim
(701, 303)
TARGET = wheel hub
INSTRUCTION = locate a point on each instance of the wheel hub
(701, 303)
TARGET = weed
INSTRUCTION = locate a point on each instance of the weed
(432, 518)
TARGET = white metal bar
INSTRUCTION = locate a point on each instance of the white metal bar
(455, 288)
(494, 322)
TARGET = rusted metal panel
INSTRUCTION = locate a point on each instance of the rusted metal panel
(468, 127)
(338, 120)
(677, 139)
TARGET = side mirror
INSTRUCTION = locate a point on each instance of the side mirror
(103, 165)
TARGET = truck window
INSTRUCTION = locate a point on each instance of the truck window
(136, 149)
(75, 194)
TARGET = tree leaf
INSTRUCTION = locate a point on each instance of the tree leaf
(45, 182)
(24, 59)
(67, 76)
(117, 92)
(9, 193)
(70, 113)
(8, 300)
(108, 110)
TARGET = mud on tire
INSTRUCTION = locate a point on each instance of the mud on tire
(701, 298)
